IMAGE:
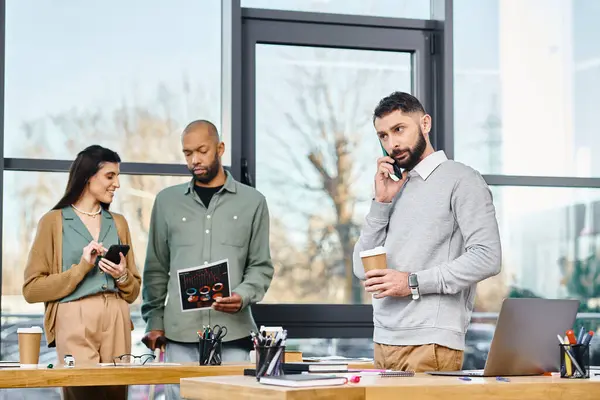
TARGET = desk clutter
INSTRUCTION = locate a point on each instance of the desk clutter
(575, 354)
(269, 346)
(272, 369)
(210, 342)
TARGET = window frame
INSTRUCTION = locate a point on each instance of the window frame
(338, 320)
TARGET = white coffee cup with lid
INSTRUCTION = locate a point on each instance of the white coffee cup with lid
(375, 258)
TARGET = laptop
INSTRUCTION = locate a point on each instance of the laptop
(525, 342)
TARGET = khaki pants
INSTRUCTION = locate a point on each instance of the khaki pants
(93, 330)
(428, 357)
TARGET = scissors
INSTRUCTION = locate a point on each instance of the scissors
(219, 332)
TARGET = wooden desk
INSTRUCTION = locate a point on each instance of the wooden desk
(420, 387)
(12, 378)
(109, 375)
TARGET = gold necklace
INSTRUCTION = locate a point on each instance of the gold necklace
(91, 214)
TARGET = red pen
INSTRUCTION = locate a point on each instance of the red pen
(571, 336)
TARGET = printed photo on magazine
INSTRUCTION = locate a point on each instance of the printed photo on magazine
(199, 287)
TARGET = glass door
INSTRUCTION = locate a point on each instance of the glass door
(309, 91)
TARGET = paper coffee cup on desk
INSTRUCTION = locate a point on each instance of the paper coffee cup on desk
(374, 259)
(30, 340)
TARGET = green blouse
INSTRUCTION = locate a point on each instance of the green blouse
(75, 237)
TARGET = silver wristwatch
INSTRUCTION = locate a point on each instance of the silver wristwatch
(413, 284)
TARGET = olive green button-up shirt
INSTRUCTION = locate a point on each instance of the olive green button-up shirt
(75, 237)
(183, 234)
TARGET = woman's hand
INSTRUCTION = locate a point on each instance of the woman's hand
(92, 251)
(114, 270)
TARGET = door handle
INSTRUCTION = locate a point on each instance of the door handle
(246, 178)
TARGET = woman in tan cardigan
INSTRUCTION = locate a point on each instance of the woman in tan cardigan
(87, 297)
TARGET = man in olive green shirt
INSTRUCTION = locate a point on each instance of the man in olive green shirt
(212, 218)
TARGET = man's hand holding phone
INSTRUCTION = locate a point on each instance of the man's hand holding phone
(385, 187)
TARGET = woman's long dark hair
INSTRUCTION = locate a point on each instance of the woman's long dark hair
(88, 162)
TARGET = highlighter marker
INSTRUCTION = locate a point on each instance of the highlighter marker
(568, 368)
(568, 365)
(571, 337)
(571, 357)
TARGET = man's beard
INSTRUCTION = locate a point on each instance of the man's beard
(414, 153)
(211, 172)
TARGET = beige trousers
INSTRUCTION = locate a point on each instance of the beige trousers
(93, 330)
(428, 357)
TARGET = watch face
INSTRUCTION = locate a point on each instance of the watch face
(412, 280)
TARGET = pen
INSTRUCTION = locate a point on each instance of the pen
(580, 335)
(588, 338)
(274, 361)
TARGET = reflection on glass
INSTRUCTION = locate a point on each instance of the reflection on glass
(417, 9)
(103, 72)
(526, 78)
(316, 152)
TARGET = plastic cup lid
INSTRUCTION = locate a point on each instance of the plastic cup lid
(33, 329)
(373, 252)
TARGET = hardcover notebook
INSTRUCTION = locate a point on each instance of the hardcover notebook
(314, 367)
(303, 380)
(391, 374)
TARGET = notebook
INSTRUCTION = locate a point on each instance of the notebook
(391, 374)
(314, 367)
(303, 380)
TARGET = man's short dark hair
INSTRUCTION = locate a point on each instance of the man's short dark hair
(405, 102)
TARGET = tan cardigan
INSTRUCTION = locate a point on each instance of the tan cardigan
(44, 279)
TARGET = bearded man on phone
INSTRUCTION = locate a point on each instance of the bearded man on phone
(437, 224)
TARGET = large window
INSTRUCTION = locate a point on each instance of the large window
(125, 75)
(523, 107)
(312, 145)
(526, 74)
(526, 78)
(316, 159)
(550, 242)
(128, 75)
(300, 80)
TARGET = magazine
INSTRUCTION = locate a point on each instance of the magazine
(199, 287)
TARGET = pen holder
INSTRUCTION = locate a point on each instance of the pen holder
(269, 360)
(574, 361)
(210, 351)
